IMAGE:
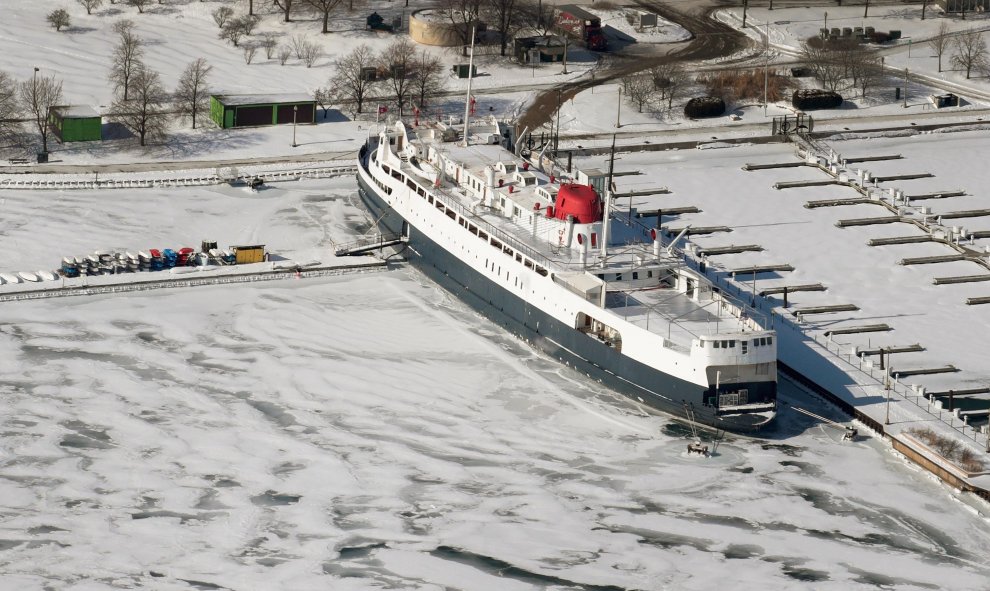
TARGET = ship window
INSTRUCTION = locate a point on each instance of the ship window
(635, 275)
(421, 191)
(732, 344)
(541, 271)
(594, 239)
(649, 274)
(601, 276)
(769, 340)
(430, 199)
(451, 214)
(528, 263)
(496, 244)
(618, 276)
(397, 175)
(482, 235)
(518, 257)
(411, 184)
(386, 168)
(716, 344)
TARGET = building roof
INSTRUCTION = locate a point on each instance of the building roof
(76, 111)
(263, 99)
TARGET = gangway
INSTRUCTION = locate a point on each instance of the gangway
(850, 432)
(368, 244)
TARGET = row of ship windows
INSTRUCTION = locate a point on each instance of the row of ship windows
(731, 344)
(414, 187)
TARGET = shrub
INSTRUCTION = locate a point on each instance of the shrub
(705, 106)
(814, 98)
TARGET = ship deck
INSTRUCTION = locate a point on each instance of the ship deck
(665, 312)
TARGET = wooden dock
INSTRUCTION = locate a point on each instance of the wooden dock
(858, 329)
(922, 371)
(825, 309)
(695, 230)
(799, 184)
(945, 258)
(733, 249)
(899, 240)
(915, 348)
(868, 221)
(761, 269)
(970, 213)
(652, 213)
(774, 165)
(960, 279)
(792, 289)
(962, 392)
(642, 192)
(856, 159)
(935, 195)
(978, 301)
(902, 177)
(837, 202)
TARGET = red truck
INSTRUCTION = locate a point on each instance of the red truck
(583, 25)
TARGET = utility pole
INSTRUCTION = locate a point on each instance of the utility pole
(565, 56)
(866, 11)
(886, 386)
(766, 69)
(745, 6)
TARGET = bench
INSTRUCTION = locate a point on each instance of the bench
(18, 161)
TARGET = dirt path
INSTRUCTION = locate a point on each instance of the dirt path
(710, 39)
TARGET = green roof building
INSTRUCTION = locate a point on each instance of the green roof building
(253, 110)
(75, 123)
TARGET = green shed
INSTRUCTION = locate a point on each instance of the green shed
(75, 123)
(252, 110)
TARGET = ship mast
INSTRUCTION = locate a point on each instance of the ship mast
(608, 203)
(467, 99)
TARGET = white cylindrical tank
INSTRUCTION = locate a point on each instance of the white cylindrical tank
(489, 176)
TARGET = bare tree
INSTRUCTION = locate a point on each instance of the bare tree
(298, 42)
(38, 95)
(140, 5)
(323, 97)
(940, 42)
(324, 8)
(668, 80)
(506, 17)
(428, 79)
(639, 89)
(192, 95)
(58, 18)
(222, 15)
(236, 29)
(126, 57)
(249, 51)
(460, 16)
(398, 60)
(542, 16)
(9, 107)
(354, 80)
(828, 62)
(284, 53)
(970, 50)
(89, 5)
(924, 7)
(311, 52)
(866, 70)
(145, 113)
(269, 41)
(285, 6)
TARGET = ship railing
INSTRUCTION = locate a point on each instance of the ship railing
(452, 201)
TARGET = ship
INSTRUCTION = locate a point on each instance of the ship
(545, 254)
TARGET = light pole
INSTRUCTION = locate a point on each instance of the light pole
(886, 384)
(766, 68)
(295, 112)
(905, 86)
(618, 109)
(826, 19)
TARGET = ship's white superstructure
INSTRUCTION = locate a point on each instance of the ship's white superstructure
(537, 251)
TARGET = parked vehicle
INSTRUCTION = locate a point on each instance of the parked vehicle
(582, 25)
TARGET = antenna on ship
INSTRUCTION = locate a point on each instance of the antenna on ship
(608, 203)
(467, 99)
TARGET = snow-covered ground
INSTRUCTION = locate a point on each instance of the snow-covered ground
(370, 432)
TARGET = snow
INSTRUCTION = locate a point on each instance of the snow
(365, 432)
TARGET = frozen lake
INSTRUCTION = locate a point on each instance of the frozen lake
(368, 432)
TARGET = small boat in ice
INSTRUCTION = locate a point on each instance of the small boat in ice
(10, 278)
(46, 275)
(28, 276)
